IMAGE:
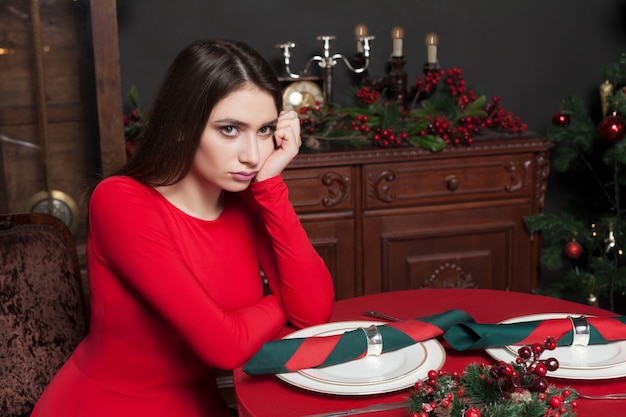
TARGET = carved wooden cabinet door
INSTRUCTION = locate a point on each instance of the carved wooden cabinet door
(393, 219)
(456, 222)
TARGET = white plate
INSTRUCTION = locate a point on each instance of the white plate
(575, 362)
(391, 371)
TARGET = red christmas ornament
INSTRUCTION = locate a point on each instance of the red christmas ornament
(612, 128)
(560, 119)
(573, 249)
(472, 412)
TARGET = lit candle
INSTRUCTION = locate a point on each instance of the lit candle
(397, 34)
(431, 41)
(360, 32)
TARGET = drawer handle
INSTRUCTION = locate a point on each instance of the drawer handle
(452, 182)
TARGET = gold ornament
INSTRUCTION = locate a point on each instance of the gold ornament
(606, 89)
(592, 300)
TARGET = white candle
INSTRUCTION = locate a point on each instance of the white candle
(360, 32)
(397, 34)
(431, 41)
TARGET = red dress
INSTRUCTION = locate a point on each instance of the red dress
(173, 296)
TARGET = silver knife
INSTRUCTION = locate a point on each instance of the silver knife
(369, 409)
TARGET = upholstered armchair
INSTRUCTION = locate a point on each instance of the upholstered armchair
(43, 312)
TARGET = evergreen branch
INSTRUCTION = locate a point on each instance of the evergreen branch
(429, 142)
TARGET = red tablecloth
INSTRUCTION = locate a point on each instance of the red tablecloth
(268, 396)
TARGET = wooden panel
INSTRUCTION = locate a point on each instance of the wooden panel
(27, 114)
(59, 51)
(57, 120)
(451, 269)
(482, 242)
(315, 190)
(334, 241)
(429, 258)
(455, 180)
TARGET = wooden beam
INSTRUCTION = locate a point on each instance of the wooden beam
(108, 84)
(26, 114)
(4, 194)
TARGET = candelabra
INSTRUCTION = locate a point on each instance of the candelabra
(327, 62)
(394, 82)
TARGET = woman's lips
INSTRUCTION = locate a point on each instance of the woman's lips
(244, 176)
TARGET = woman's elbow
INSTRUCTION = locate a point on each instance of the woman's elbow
(318, 312)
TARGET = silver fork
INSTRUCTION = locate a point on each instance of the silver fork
(378, 315)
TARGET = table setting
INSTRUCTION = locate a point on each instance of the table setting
(389, 366)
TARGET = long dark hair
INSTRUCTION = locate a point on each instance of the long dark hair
(200, 76)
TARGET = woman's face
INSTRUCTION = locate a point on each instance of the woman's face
(237, 140)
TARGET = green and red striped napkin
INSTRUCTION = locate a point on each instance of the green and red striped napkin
(289, 355)
(465, 336)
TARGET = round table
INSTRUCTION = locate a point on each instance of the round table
(268, 396)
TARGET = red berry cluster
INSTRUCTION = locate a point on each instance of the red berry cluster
(497, 116)
(360, 124)
(428, 82)
(367, 95)
(559, 403)
(383, 137)
(433, 385)
(131, 117)
(387, 137)
(510, 379)
(530, 375)
(456, 86)
(442, 127)
(311, 118)
(133, 124)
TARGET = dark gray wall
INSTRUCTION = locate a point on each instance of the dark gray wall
(531, 53)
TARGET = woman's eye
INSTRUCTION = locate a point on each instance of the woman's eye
(229, 130)
(267, 130)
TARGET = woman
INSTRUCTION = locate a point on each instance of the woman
(178, 240)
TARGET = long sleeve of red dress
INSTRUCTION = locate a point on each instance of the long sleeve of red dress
(291, 251)
(173, 296)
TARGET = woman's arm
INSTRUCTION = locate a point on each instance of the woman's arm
(296, 273)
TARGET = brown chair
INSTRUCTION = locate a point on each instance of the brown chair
(43, 312)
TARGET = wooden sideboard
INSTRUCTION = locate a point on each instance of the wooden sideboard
(390, 219)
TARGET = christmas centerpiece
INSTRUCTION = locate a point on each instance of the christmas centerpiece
(516, 389)
(442, 111)
(586, 239)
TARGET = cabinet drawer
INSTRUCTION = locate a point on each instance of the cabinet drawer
(321, 189)
(450, 181)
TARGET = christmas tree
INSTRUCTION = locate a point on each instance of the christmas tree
(586, 240)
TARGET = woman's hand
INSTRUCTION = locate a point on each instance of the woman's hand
(287, 138)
